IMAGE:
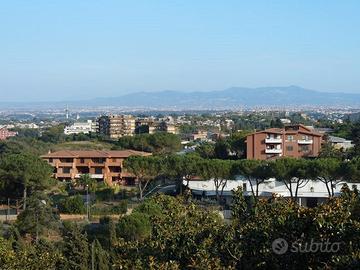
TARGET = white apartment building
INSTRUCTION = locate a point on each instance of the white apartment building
(81, 127)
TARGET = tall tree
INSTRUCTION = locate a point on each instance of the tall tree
(144, 169)
(293, 173)
(181, 167)
(23, 173)
(38, 216)
(329, 171)
(76, 249)
(218, 171)
(255, 172)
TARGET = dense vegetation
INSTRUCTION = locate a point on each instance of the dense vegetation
(165, 232)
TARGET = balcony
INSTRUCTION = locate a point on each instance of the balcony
(273, 151)
(273, 140)
(92, 175)
(305, 141)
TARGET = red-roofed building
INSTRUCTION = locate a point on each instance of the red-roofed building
(291, 141)
(5, 133)
(102, 165)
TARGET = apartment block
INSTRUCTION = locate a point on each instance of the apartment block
(116, 126)
(5, 133)
(150, 125)
(81, 127)
(104, 166)
(291, 141)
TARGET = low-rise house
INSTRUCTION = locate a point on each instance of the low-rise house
(104, 166)
(340, 143)
(310, 194)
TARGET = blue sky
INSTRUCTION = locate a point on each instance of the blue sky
(65, 49)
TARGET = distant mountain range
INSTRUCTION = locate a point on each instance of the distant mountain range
(235, 97)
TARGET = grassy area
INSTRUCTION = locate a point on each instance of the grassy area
(83, 145)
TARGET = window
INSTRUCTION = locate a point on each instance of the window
(66, 170)
(290, 138)
(50, 160)
(82, 160)
(244, 186)
(305, 137)
(304, 148)
(98, 170)
(289, 148)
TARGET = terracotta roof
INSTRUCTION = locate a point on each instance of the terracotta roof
(305, 130)
(94, 154)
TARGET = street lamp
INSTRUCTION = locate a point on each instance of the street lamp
(87, 203)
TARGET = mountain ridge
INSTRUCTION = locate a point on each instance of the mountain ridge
(232, 97)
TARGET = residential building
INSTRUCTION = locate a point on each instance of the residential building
(104, 166)
(5, 133)
(150, 125)
(117, 126)
(199, 135)
(291, 141)
(81, 127)
(309, 195)
(340, 143)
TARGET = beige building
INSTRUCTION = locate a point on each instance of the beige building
(117, 126)
(290, 141)
(104, 166)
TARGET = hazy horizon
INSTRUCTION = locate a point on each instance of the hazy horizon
(87, 49)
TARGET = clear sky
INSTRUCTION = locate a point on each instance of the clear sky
(56, 50)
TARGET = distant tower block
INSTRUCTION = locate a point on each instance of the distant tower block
(67, 112)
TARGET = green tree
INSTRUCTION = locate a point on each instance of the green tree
(254, 171)
(134, 227)
(23, 173)
(206, 150)
(144, 169)
(38, 216)
(99, 257)
(72, 205)
(216, 170)
(328, 171)
(293, 173)
(76, 248)
(86, 181)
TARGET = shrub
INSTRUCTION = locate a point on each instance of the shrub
(72, 205)
(134, 227)
(119, 209)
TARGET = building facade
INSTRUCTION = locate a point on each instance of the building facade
(104, 166)
(340, 143)
(81, 127)
(116, 126)
(291, 141)
(5, 133)
(309, 195)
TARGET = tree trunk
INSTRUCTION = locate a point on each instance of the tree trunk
(217, 186)
(24, 197)
(223, 184)
(140, 190)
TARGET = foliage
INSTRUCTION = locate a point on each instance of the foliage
(72, 205)
(158, 143)
(37, 217)
(134, 227)
(76, 249)
(144, 168)
(22, 174)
